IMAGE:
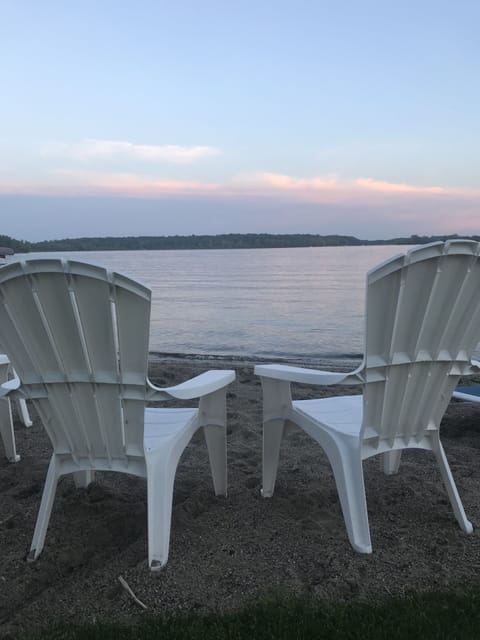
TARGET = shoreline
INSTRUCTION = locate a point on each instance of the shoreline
(336, 361)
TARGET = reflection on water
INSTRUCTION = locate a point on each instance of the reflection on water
(305, 302)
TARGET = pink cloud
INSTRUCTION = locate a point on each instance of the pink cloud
(422, 209)
(391, 187)
(132, 185)
(332, 189)
(85, 183)
(293, 183)
(363, 206)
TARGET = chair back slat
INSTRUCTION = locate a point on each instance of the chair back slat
(131, 352)
(422, 326)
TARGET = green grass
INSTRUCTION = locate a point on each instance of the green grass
(430, 615)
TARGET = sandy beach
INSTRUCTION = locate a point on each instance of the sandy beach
(225, 552)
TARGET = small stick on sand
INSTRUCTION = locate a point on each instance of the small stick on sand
(125, 585)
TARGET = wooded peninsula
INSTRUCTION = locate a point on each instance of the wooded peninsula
(221, 241)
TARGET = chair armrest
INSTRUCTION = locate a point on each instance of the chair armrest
(308, 376)
(197, 387)
(9, 386)
(465, 369)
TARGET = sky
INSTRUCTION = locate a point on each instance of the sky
(128, 118)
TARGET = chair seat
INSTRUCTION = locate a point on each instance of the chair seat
(342, 414)
(162, 424)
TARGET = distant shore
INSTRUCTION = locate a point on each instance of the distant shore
(220, 241)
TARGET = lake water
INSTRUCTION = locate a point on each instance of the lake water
(305, 303)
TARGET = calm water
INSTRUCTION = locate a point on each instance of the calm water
(305, 303)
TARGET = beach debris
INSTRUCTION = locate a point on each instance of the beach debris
(127, 588)
(6, 520)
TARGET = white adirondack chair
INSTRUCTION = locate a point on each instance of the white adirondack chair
(6, 422)
(77, 336)
(422, 325)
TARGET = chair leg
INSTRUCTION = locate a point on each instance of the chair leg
(6, 430)
(348, 471)
(451, 488)
(45, 510)
(390, 461)
(161, 465)
(216, 439)
(273, 431)
(160, 481)
(83, 478)
(25, 416)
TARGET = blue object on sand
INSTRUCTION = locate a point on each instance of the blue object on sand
(471, 392)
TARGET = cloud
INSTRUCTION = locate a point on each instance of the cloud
(390, 187)
(107, 149)
(363, 206)
(321, 189)
(132, 185)
(291, 183)
(87, 183)
(331, 189)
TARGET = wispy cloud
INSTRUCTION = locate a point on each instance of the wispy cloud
(106, 149)
(132, 185)
(392, 187)
(358, 203)
(322, 189)
(331, 189)
(279, 203)
(89, 183)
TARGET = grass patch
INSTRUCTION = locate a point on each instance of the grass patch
(430, 615)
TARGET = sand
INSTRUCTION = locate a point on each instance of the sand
(226, 552)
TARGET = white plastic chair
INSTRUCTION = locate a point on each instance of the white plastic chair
(6, 422)
(77, 336)
(422, 325)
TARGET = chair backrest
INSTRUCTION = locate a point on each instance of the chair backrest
(422, 326)
(77, 336)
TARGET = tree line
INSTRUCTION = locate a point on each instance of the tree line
(221, 241)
